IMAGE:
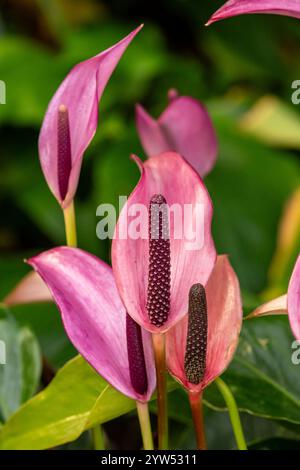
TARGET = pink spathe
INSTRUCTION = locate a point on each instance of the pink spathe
(93, 315)
(79, 93)
(242, 7)
(224, 315)
(184, 127)
(293, 300)
(170, 176)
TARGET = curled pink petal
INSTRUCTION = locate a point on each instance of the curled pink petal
(192, 254)
(79, 94)
(293, 300)
(242, 7)
(29, 290)
(224, 312)
(276, 306)
(94, 317)
(184, 127)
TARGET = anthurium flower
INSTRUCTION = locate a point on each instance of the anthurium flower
(155, 270)
(184, 127)
(71, 120)
(95, 319)
(202, 344)
(242, 7)
(288, 303)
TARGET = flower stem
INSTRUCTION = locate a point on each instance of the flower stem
(159, 346)
(71, 237)
(98, 438)
(70, 225)
(197, 415)
(145, 425)
(233, 413)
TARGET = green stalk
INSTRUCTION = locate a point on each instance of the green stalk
(98, 438)
(70, 225)
(233, 413)
(145, 425)
(159, 347)
(71, 238)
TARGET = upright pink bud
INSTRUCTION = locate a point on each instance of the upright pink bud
(72, 118)
(184, 127)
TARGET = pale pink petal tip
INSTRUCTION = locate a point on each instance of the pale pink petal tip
(242, 7)
(79, 96)
(294, 300)
(30, 289)
(276, 306)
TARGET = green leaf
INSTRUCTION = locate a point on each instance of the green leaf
(31, 74)
(255, 428)
(236, 58)
(76, 400)
(20, 374)
(276, 443)
(262, 376)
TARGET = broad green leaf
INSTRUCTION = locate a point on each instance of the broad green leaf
(219, 433)
(276, 443)
(76, 400)
(20, 374)
(262, 376)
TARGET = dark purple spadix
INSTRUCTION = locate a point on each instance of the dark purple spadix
(136, 358)
(64, 159)
(196, 344)
(159, 278)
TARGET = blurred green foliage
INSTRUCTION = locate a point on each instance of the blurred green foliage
(229, 66)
